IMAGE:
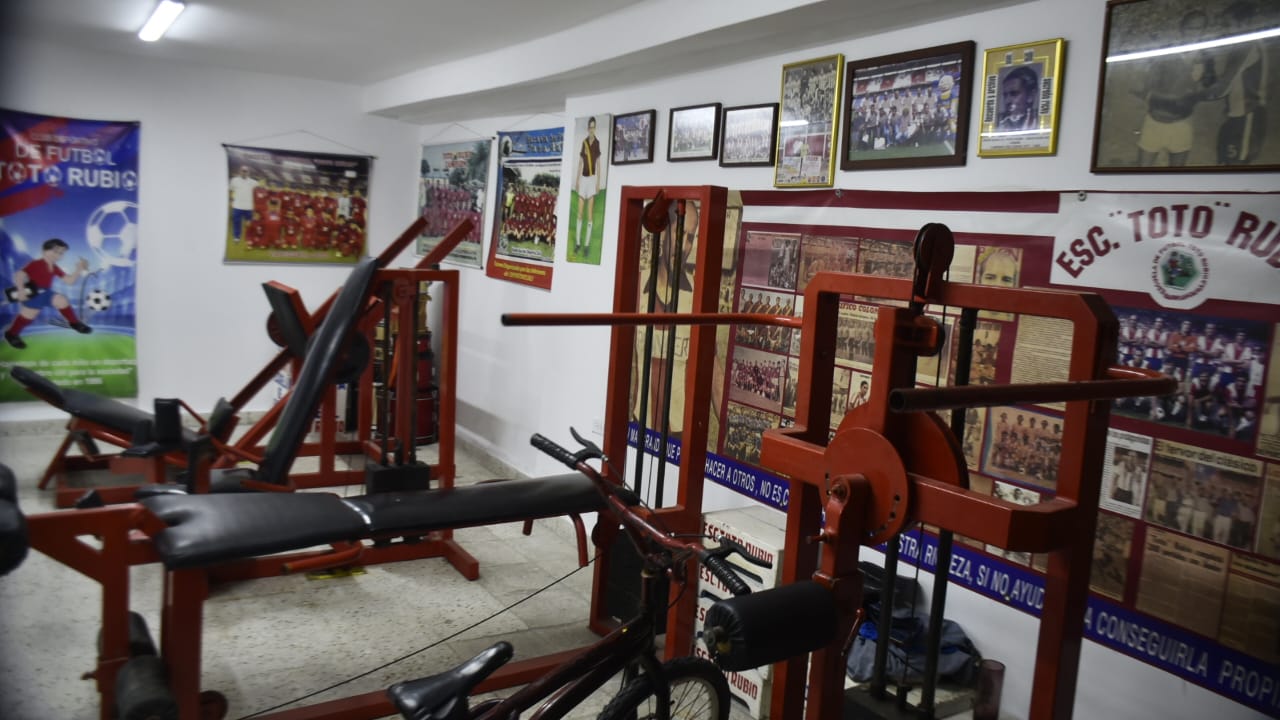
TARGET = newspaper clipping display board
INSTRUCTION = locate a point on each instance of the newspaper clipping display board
(69, 252)
(1186, 572)
(523, 249)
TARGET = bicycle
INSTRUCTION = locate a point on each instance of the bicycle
(687, 687)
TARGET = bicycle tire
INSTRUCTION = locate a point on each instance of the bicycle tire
(698, 690)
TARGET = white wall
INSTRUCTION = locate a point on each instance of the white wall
(201, 323)
(515, 381)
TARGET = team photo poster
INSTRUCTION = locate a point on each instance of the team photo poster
(452, 187)
(523, 249)
(289, 206)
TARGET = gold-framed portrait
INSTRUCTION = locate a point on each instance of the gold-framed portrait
(807, 122)
(1021, 92)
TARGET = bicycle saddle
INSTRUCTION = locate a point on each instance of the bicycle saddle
(444, 696)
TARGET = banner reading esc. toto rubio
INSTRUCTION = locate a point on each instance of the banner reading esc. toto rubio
(1177, 248)
(68, 251)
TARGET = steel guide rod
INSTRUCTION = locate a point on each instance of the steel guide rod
(675, 274)
(942, 566)
(1121, 382)
(652, 302)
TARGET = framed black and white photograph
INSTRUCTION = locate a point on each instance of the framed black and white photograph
(1021, 86)
(909, 109)
(1184, 85)
(807, 122)
(694, 133)
(633, 137)
(750, 135)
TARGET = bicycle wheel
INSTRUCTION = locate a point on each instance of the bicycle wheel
(698, 692)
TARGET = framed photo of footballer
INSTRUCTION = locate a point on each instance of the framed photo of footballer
(750, 135)
(807, 122)
(633, 137)
(908, 109)
(1021, 85)
(694, 133)
(1184, 84)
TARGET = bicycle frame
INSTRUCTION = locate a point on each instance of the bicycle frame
(623, 650)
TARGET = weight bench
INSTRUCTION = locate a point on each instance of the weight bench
(152, 441)
(95, 418)
(209, 537)
(206, 530)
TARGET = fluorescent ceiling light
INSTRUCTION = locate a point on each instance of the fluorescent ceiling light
(163, 16)
(793, 123)
(1193, 47)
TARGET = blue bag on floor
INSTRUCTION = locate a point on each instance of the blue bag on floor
(904, 665)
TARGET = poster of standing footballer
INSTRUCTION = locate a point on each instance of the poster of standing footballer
(68, 252)
(586, 199)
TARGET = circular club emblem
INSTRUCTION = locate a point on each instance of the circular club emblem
(1179, 272)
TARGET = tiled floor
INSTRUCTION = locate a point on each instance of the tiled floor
(271, 641)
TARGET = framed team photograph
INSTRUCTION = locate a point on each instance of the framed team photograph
(1184, 84)
(694, 133)
(908, 109)
(750, 135)
(633, 137)
(1021, 85)
(807, 127)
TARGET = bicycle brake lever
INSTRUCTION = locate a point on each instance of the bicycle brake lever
(729, 545)
(589, 449)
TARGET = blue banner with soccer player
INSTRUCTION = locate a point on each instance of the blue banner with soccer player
(68, 251)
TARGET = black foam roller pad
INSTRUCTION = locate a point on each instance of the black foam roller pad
(8, 485)
(762, 628)
(13, 526)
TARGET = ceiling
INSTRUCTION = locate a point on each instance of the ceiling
(389, 47)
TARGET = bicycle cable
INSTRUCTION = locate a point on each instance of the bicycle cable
(421, 650)
(447, 638)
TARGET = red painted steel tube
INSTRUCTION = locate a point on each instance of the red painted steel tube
(622, 319)
(1121, 382)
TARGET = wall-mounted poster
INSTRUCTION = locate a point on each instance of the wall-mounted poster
(587, 191)
(291, 206)
(68, 251)
(452, 187)
(523, 249)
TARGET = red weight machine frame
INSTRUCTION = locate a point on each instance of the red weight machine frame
(83, 432)
(103, 543)
(892, 461)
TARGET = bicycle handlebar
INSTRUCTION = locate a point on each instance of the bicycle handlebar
(713, 559)
(554, 449)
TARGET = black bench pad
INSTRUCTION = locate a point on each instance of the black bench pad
(210, 529)
(108, 412)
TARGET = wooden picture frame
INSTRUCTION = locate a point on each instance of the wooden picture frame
(908, 109)
(807, 129)
(694, 133)
(1183, 86)
(633, 135)
(1021, 88)
(749, 135)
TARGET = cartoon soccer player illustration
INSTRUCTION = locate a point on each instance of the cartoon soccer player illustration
(32, 290)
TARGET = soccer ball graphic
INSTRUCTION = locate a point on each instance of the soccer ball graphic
(98, 301)
(112, 233)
